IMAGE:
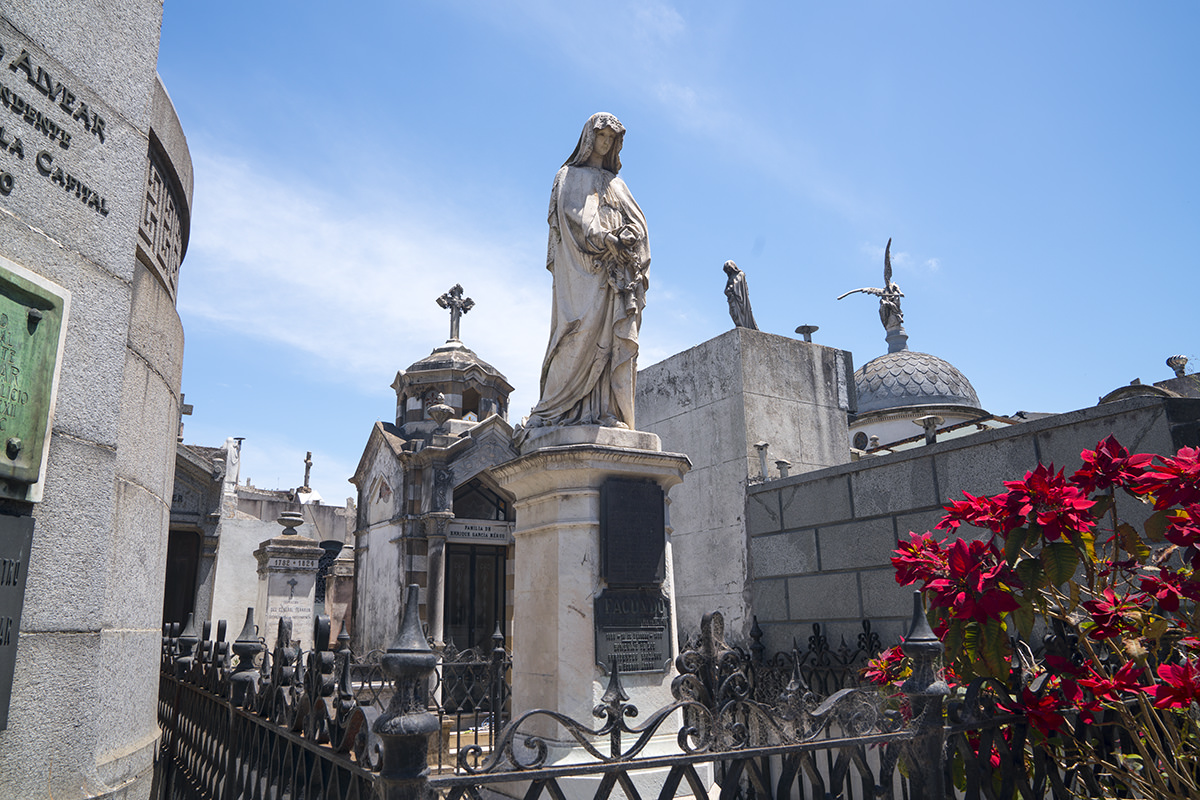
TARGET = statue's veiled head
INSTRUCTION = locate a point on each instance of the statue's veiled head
(587, 142)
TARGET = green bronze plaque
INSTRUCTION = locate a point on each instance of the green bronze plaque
(32, 324)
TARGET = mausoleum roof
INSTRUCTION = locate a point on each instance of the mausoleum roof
(908, 378)
(454, 356)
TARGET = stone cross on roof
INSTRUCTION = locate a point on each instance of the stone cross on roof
(458, 306)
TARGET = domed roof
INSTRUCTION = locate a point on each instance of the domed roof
(454, 356)
(908, 378)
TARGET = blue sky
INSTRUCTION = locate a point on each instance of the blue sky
(1035, 165)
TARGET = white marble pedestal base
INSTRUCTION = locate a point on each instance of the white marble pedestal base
(556, 483)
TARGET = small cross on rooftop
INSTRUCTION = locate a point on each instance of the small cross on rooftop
(458, 306)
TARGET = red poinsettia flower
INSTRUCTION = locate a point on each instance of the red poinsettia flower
(1175, 482)
(1126, 680)
(974, 740)
(1170, 587)
(1063, 666)
(1109, 613)
(1108, 566)
(1183, 526)
(981, 512)
(921, 558)
(1109, 465)
(1180, 685)
(1042, 711)
(977, 583)
(886, 668)
(1047, 499)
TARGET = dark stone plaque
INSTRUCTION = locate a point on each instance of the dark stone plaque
(634, 626)
(16, 536)
(632, 533)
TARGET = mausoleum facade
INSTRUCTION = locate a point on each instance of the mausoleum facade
(428, 510)
(96, 193)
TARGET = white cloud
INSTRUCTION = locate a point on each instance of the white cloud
(351, 286)
(654, 20)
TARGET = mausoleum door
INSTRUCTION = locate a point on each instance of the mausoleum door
(179, 589)
(474, 594)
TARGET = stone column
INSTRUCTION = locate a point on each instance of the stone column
(557, 485)
(435, 574)
(287, 581)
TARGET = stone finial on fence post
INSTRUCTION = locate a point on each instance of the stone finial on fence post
(926, 692)
(406, 726)
(497, 679)
(245, 675)
(186, 642)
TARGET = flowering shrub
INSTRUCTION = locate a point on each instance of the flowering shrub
(1054, 557)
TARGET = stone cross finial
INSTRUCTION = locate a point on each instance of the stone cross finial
(458, 306)
(307, 469)
(185, 409)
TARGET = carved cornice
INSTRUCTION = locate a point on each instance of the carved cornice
(670, 467)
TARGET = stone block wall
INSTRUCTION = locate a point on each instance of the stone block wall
(820, 543)
(713, 403)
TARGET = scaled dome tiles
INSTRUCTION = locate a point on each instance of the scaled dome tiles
(909, 378)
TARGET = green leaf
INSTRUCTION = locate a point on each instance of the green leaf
(1024, 615)
(1013, 545)
(958, 771)
(970, 639)
(1087, 548)
(1103, 503)
(1030, 571)
(1156, 526)
(1157, 627)
(1059, 559)
(1131, 543)
(993, 649)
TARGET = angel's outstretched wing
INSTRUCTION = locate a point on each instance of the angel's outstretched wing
(866, 290)
(887, 264)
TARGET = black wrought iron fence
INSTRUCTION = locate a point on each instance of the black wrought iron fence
(822, 668)
(239, 722)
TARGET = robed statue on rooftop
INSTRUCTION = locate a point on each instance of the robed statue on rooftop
(889, 296)
(738, 295)
(599, 256)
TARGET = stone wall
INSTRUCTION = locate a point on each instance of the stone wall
(713, 403)
(100, 208)
(820, 543)
(381, 568)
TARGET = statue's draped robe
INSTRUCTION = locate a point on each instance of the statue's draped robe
(739, 301)
(589, 372)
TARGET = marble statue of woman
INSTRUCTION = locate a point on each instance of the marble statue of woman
(599, 256)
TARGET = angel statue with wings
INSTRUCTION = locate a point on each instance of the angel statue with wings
(889, 296)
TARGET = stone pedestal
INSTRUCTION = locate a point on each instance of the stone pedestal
(339, 594)
(287, 582)
(557, 484)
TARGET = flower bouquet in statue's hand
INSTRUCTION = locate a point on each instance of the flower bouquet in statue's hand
(1115, 605)
(624, 265)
